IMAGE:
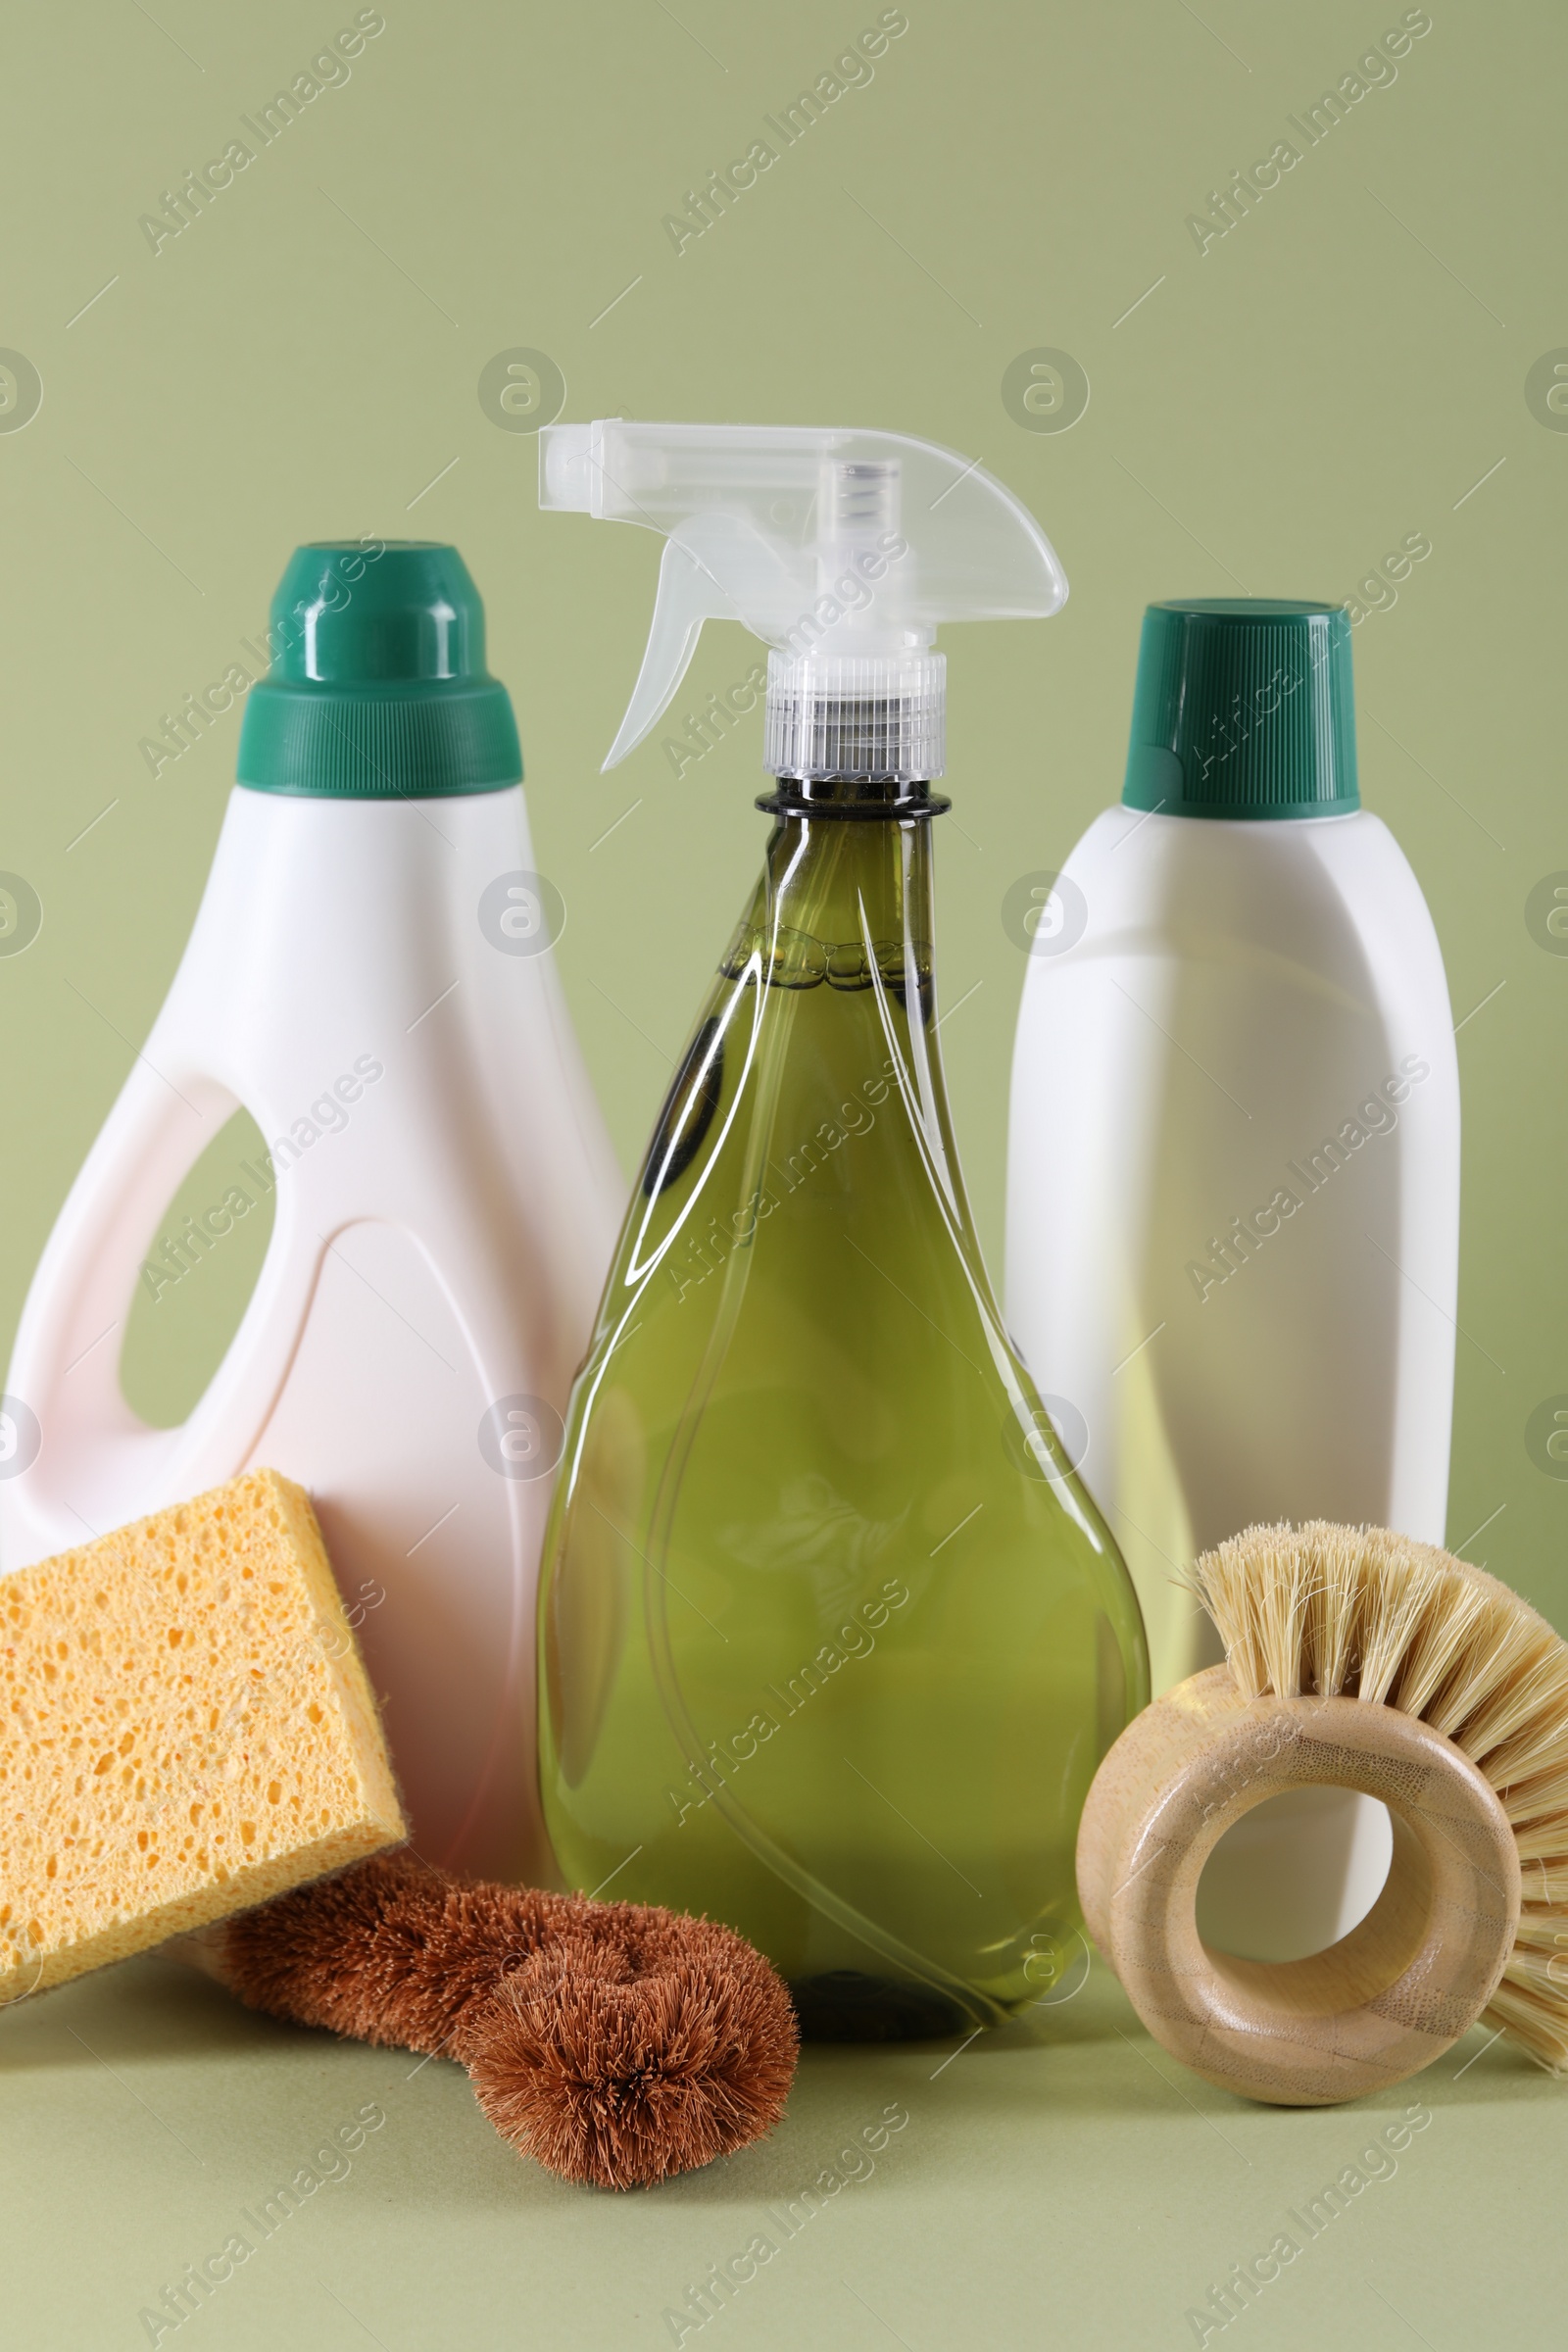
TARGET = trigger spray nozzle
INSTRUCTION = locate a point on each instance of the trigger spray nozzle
(842, 551)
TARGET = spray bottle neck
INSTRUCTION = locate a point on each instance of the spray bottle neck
(841, 928)
(855, 798)
(843, 907)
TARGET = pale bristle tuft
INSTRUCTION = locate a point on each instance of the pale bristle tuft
(1534, 1804)
(1360, 1613)
(1333, 1610)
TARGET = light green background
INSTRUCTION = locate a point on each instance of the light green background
(1278, 414)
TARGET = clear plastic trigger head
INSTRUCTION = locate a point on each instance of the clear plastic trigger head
(843, 550)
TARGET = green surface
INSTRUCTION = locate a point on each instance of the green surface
(324, 351)
(801, 1558)
(1060, 2182)
(1365, 355)
(1277, 414)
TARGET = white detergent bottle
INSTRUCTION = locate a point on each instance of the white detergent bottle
(370, 976)
(1232, 1206)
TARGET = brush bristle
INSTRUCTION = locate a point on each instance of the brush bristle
(615, 2042)
(1356, 1612)
(648, 2049)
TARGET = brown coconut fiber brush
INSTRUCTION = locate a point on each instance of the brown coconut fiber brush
(1357, 1660)
(615, 2042)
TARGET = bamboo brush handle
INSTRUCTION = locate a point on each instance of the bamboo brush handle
(1382, 2002)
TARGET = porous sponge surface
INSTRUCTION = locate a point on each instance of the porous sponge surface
(187, 1728)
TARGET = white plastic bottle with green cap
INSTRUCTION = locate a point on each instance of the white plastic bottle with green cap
(1232, 1206)
(370, 976)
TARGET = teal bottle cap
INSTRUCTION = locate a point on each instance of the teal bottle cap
(1244, 709)
(378, 689)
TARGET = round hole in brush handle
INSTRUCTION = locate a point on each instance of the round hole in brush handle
(1373, 2008)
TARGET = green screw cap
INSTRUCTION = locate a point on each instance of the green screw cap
(379, 689)
(1244, 709)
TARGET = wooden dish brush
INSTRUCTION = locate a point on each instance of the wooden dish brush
(615, 2042)
(1356, 1659)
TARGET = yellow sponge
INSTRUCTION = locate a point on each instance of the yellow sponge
(185, 1728)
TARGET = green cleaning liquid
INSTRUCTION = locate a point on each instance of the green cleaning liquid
(831, 1638)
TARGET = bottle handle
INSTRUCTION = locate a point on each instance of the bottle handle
(95, 1462)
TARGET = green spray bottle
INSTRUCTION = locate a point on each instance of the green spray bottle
(832, 1639)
